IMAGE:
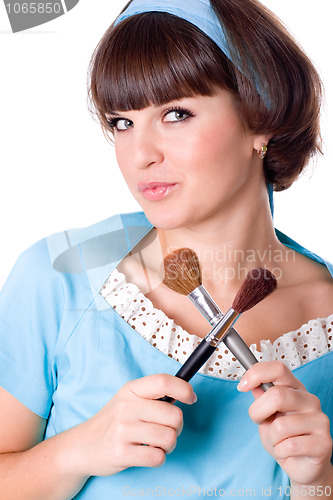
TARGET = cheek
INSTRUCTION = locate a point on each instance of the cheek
(218, 163)
(122, 156)
(227, 145)
(213, 152)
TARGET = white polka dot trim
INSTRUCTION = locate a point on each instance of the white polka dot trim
(293, 348)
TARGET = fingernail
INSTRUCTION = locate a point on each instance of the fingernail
(194, 398)
(242, 384)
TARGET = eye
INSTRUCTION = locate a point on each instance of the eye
(177, 114)
(119, 124)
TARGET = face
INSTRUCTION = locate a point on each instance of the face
(188, 161)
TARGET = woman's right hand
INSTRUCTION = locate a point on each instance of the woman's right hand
(113, 439)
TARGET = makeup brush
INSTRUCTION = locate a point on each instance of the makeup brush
(182, 274)
(258, 284)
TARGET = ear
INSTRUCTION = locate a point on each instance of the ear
(259, 140)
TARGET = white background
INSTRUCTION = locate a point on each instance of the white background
(57, 169)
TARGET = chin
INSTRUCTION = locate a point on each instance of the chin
(164, 219)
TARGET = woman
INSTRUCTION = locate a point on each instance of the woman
(210, 106)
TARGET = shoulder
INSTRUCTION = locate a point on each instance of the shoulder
(315, 286)
(33, 269)
(322, 296)
(52, 263)
(94, 246)
(33, 288)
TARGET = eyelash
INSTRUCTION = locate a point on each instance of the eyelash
(112, 122)
(179, 109)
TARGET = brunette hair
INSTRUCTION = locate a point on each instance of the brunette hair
(154, 58)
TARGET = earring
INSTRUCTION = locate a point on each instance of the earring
(262, 152)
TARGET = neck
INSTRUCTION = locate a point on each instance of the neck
(229, 246)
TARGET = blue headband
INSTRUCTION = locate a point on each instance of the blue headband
(199, 13)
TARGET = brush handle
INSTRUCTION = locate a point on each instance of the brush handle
(240, 350)
(210, 310)
(198, 357)
(202, 353)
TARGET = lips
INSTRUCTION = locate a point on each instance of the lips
(156, 190)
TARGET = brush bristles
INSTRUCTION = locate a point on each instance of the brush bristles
(182, 271)
(258, 284)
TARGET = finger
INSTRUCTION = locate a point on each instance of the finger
(292, 425)
(144, 456)
(268, 371)
(308, 446)
(257, 392)
(158, 436)
(162, 384)
(282, 399)
(162, 413)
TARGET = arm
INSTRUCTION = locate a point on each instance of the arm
(293, 429)
(29, 467)
(107, 443)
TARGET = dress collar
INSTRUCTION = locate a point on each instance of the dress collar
(97, 250)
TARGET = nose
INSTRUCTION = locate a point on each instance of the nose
(146, 148)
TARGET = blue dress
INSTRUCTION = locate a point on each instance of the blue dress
(64, 352)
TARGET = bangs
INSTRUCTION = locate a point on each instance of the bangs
(151, 59)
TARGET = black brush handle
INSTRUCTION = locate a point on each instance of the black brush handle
(198, 357)
(240, 350)
(202, 353)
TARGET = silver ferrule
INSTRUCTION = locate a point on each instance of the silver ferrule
(206, 305)
(220, 330)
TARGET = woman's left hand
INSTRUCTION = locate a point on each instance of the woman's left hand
(292, 427)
